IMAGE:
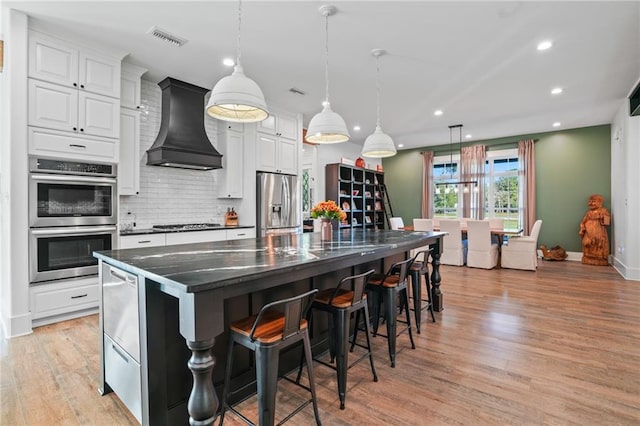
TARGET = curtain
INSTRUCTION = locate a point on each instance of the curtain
(472, 159)
(427, 184)
(527, 183)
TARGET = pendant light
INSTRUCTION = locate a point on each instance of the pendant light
(327, 126)
(236, 97)
(452, 181)
(378, 144)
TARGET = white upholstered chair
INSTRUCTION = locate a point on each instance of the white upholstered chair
(452, 253)
(521, 252)
(396, 223)
(436, 222)
(422, 225)
(481, 251)
(496, 223)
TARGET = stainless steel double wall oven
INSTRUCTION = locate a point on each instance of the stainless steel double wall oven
(73, 212)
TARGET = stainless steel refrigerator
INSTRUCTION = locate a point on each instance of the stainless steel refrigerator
(278, 204)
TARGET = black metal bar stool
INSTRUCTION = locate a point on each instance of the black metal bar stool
(419, 268)
(278, 325)
(340, 303)
(386, 288)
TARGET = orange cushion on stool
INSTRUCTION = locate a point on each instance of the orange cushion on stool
(268, 331)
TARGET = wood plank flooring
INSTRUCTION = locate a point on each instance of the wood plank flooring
(560, 346)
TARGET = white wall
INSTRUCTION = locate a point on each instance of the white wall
(14, 277)
(625, 192)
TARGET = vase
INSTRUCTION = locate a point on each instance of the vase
(326, 230)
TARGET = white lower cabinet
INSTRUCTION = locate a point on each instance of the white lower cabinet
(62, 300)
(196, 237)
(140, 241)
(239, 234)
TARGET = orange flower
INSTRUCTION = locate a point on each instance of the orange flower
(328, 210)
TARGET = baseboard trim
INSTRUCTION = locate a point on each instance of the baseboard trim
(632, 274)
(17, 325)
(574, 256)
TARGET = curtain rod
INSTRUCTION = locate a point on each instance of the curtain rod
(488, 146)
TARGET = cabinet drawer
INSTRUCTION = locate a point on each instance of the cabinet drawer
(60, 298)
(196, 237)
(122, 373)
(139, 241)
(62, 145)
(238, 234)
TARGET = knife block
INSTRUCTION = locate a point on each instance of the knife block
(231, 218)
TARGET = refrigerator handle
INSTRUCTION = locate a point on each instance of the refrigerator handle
(286, 201)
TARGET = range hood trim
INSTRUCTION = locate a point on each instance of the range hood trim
(182, 141)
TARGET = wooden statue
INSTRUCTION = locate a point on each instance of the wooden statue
(595, 241)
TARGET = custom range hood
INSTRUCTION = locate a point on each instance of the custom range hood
(182, 141)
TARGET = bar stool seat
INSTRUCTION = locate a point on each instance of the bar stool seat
(387, 288)
(278, 325)
(340, 303)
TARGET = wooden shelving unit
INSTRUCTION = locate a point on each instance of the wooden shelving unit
(357, 191)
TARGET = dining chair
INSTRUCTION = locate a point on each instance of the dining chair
(481, 251)
(436, 222)
(422, 224)
(496, 223)
(521, 252)
(452, 251)
(396, 223)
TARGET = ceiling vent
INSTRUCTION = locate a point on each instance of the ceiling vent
(297, 91)
(167, 36)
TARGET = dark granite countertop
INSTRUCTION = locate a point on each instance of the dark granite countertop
(170, 231)
(204, 266)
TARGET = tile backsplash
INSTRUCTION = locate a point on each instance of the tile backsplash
(169, 195)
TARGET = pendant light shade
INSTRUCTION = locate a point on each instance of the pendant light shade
(327, 126)
(236, 97)
(378, 144)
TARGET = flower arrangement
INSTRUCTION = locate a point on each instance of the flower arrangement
(328, 210)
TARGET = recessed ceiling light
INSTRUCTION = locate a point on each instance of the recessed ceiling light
(468, 136)
(400, 145)
(544, 45)
(556, 90)
(228, 62)
(437, 112)
(356, 128)
(556, 124)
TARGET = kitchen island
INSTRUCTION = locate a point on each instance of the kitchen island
(192, 292)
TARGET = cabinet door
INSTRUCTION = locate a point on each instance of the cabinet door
(239, 234)
(266, 152)
(267, 125)
(129, 165)
(196, 237)
(98, 115)
(287, 127)
(231, 175)
(145, 240)
(53, 106)
(52, 60)
(99, 74)
(130, 91)
(287, 156)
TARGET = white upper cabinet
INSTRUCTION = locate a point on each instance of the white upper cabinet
(58, 107)
(130, 86)
(231, 146)
(277, 144)
(59, 62)
(284, 125)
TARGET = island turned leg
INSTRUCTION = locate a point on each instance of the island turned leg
(203, 401)
(436, 294)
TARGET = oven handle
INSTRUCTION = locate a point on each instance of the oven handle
(62, 178)
(74, 231)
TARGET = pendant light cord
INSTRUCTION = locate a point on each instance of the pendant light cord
(326, 56)
(377, 90)
(238, 53)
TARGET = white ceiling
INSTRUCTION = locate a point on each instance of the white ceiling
(477, 61)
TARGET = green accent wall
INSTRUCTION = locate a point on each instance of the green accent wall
(570, 165)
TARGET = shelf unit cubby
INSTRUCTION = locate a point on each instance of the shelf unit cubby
(357, 191)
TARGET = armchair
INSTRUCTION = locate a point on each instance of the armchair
(521, 252)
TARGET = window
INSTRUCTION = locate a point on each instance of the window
(501, 187)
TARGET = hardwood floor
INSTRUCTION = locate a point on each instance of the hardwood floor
(559, 346)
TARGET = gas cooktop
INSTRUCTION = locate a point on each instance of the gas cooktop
(187, 226)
